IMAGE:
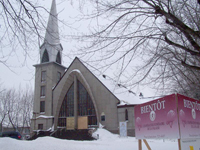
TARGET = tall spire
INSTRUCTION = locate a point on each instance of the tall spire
(51, 49)
(52, 33)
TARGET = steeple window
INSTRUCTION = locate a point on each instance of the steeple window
(58, 58)
(45, 57)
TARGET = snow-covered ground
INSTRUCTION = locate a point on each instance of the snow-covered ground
(106, 141)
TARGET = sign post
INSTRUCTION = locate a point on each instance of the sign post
(140, 144)
(146, 143)
(179, 144)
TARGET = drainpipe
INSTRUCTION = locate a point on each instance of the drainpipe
(75, 104)
(52, 108)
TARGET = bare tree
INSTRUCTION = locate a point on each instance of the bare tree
(16, 108)
(188, 83)
(13, 108)
(26, 102)
(163, 35)
(3, 108)
(21, 24)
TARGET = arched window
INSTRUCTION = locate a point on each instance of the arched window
(126, 115)
(85, 105)
(58, 58)
(45, 57)
(67, 107)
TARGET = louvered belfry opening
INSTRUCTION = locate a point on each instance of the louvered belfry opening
(45, 57)
(58, 58)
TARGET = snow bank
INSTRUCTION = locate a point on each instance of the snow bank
(106, 141)
(102, 134)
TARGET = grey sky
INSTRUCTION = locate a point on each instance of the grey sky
(22, 72)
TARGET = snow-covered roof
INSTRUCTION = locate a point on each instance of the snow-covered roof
(125, 95)
(43, 116)
(7, 124)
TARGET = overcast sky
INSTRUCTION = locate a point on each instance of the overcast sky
(21, 72)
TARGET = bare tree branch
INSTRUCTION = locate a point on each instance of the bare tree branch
(163, 35)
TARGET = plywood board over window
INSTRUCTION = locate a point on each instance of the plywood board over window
(70, 123)
(83, 122)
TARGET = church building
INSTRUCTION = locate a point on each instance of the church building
(74, 97)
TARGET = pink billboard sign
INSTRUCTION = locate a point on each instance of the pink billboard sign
(173, 116)
(157, 119)
(189, 117)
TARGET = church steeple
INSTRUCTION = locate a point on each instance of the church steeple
(52, 33)
(47, 74)
(51, 50)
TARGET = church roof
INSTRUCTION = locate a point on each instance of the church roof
(52, 32)
(124, 95)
